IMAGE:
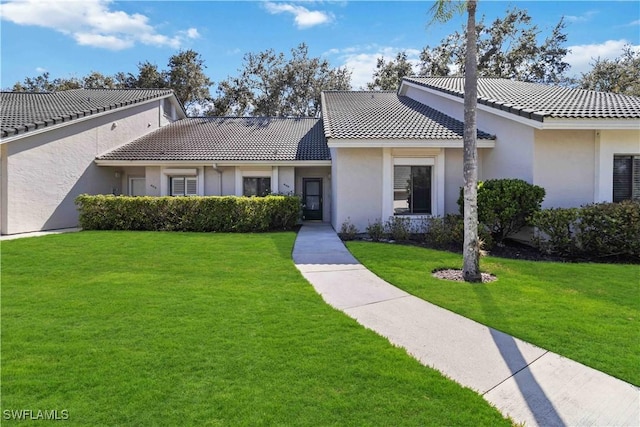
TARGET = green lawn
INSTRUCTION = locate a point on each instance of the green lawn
(127, 328)
(587, 312)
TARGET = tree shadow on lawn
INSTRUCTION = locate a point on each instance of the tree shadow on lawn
(540, 406)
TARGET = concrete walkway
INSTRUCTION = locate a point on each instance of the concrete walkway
(38, 233)
(527, 383)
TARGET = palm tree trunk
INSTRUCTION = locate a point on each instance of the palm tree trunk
(471, 248)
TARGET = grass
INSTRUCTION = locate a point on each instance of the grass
(127, 328)
(586, 312)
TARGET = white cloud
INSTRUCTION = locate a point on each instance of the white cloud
(91, 23)
(362, 60)
(105, 42)
(193, 33)
(303, 17)
(41, 70)
(586, 17)
(582, 56)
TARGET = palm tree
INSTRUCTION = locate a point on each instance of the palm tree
(443, 10)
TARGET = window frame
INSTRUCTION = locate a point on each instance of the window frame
(411, 210)
(633, 178)
(430, 163)
(260, 183)
(186, 180)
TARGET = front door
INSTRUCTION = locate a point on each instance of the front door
(312, 199)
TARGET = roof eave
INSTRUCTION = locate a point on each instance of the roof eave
(591, 124)
(410, 143)
(125, 163)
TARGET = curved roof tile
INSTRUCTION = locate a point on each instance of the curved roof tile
(537, 101)
(386, 115)
(229, 139)
(26, 111)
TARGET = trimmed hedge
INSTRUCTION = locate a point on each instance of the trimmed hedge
(601, 230)
(203, 214)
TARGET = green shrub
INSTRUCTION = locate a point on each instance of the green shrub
(376, 230)
(610, 229)
(399, 228)
(505, 205)
(448, 232)
(210, 213)
(555, 231)
(348, 231)
(602, 230)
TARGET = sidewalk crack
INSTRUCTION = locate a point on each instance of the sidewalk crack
(516, 373)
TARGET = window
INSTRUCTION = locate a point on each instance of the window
(184, 186)
(256, 186)
(411, 190)
(626, 178)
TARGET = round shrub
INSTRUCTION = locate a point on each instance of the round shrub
(505, 205)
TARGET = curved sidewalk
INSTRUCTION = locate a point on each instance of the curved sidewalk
(527, 383)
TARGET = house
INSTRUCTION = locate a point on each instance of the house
(49, 142)
(376, 154)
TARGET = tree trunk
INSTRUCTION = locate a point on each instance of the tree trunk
(471, 249)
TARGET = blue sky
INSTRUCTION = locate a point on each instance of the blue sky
(68, 38)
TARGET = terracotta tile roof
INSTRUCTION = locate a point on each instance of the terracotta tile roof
(386, 115)
(537, 101)
(230, 138)
(25, 111)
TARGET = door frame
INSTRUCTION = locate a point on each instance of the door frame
(320, 210)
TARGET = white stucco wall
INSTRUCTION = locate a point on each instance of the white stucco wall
(564, 166)
(607, 144)
(152, 180)
(212, 181)
(512, 156)
(44, 172)
(286, 180)
(358, 191)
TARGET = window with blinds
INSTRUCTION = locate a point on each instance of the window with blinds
(626, 178)
(184, 186)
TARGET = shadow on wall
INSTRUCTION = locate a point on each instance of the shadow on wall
(94, 180)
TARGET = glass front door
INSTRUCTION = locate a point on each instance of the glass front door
(312, 199)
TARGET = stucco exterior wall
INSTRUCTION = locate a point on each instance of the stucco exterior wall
(454, 179)
(45, 172)
(212, 181)
(358, 191)
(564, 166)
(512, 156)
(152, 180)
(286, 180)
(607, 144)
